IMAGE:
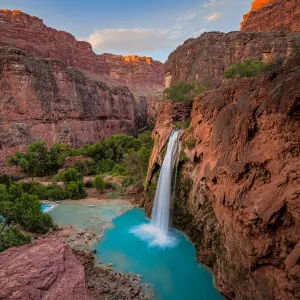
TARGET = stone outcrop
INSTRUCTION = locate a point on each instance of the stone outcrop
(46, 269)
(205, 59)
(142, 75)
(237, 193)
(45, 99)
(267, 15)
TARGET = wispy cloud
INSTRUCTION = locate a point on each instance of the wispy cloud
(133, 39)
(187, 17)
(213, 3)
(212, 17)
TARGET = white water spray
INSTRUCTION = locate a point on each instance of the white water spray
(157, 232)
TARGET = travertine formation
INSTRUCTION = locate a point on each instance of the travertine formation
(238, 194)
(267, 15)
(46, 269)
(205, 59)
(45, 99)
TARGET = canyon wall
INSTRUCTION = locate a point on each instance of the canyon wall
(45, 99)
(31, 35)
(267, 15)
(237, 194)
(56, 88)
(205, 59)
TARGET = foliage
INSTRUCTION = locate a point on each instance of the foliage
(76, 190)
(128, 180)
(85, 167)
(18, 206)
(184, 91)
(190, 143)
(12, 237)
(99, 183)
(249, 68)
(38, 160)
(73, 181)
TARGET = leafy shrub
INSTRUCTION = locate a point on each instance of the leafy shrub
(99, 183)
(76, 190)
(12, 237)
(119, 170)
(190, 143)
(73, 180)
(19, 207)
(105, 165)
(85, 167)
(249, 68)
(38, 160)
(128, 180)
(184, 91)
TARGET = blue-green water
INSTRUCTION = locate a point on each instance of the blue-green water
(173, 272)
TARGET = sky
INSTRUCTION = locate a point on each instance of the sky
(143, 27)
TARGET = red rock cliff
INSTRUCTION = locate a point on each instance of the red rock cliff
(205, 59)
(31, 35)
(45, 99)
(238, 194)
(267, 15)
(142, 75)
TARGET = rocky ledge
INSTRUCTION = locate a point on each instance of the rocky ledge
(50, 269)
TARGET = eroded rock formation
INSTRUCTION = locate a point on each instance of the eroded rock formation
(267, 15)
(45, 99)
(238, 194)
(205, 59)
(46, 269)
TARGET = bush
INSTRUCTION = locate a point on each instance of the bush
(190, 143)
(73, 180)
(19, 207)
(105, 166)
(12, 237)
(249, 68)
(76, 190)
(184, 91)
(38, 160)
(99, 183)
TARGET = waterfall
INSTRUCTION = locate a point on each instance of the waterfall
(157, 232)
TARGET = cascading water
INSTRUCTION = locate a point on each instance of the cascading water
(157, 232)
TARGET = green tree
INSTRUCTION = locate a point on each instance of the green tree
(184, 91)
(99, 183)
(12, 237)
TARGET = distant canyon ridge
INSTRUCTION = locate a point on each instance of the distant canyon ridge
(55, 88)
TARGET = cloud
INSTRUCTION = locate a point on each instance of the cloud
(187, 17)
(133, 40)
(212, 17)
(213, 3)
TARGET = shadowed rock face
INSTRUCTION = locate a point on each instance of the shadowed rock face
(46, 269)
(238, 194)
(45, 99)
(205, 59)
(267, 15)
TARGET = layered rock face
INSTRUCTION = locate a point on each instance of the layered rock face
(31, 35)
(142, 75)
(205, 59)
(237, 193)
(267, 15)
(46, 269)
(44, 99)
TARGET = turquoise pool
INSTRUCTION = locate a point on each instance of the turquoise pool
(173, 272)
